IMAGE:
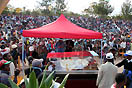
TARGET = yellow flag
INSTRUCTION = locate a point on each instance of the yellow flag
(3, 4)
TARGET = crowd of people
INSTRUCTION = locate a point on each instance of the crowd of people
(116, 39)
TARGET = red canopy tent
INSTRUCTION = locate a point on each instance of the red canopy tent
(62, 28)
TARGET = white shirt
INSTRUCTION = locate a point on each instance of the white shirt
(50, 68)
(12, 69)
(111, 44)
(123, 45)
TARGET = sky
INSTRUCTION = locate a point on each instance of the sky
(73, 5)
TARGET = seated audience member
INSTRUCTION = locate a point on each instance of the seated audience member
(51, 66)
(14, 54)
(36, 66)
(30, 59)
(4, 72)
(33, 52)
(8, 57)
(120, 81)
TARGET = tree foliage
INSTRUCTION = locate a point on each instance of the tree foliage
(45, 4)
(103, 8)
(49, 7)
(8, 9)
(126, 10)
(88, 11)
(60, 6)
(36, 12)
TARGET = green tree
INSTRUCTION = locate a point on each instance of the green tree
(24, 10)
(103, 8)
(36, 12)
(60, 6)
(28, 12)
(8, 9)
(45, 4)
(126, 10)
(89, 11)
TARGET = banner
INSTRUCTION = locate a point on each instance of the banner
(3, 4)
(69, 54)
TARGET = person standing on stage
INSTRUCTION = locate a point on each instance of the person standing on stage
(107, 73)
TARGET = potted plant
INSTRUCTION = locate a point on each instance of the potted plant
(46, 82)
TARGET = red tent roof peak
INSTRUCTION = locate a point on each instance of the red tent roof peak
(62, 28)
(62, 18)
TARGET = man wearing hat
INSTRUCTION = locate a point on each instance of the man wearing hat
(36, 66)
(14, 54)
(107, 73)
(4, 72)
(113, 51)
(33, 52)
(127, 63)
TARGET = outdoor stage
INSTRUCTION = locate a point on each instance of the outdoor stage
(79, 79)
(82, 78)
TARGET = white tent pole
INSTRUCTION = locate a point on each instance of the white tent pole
(23, 57)
(101, 53)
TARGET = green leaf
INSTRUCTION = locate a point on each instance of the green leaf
(3, 86)
(33, 82)
(43, 84)
(52, 86)
(64, 81)
(49, 79)
(56, 78)
(26, 83)
(13, 85)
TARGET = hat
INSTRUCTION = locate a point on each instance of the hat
(128, 36)
(3, 41)
(2, 62)
(4, 51)
(31, 48)
(36, 62)
(128, 53)
(14, 46)
(109, 56)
